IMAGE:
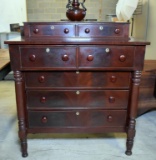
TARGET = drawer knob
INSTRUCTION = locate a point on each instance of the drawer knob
(113, 79)
(47, 50)
(77, 92)
(107, 50)
(77, 113)
(43, 99)
(87, 30)
(36, 30)
(117, 31)
(32, 58)
(41, 79)
(90, 57)
(110, 118)
(111, 99)
(65, 57)
(66, 30)
(44, 119)
(101, 28)
(122, 58)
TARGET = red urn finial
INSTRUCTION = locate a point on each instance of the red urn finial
(74, 13)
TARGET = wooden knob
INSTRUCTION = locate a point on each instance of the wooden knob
(113, 79)
(44, 119)
(90, 57)
(66, 30)
(43, 99)
(65, 57)
(41, 79)
(32, 58)
(36, 30)
(111, 99)
(117, 31)
(87, 30)
(110, 118)
(122, 58)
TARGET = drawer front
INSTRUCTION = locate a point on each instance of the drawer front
(97, 118)
(43, 57)
(77, 99)
(52, 30)
(103, 30)
(101, 57)
(78, 79)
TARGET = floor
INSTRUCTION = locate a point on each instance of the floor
(69, 146)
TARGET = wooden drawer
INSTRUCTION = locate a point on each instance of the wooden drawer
(79, 79)
(47, 56)
(108, 56)
(77, 118)
(103, 30)
(51, 30)
(111, 99)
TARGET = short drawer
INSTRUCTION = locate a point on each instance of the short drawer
(107, 56)
(37, 30)
(47, 56)
(107, 99)
(104, 30)
(78, 79)
(77, 118)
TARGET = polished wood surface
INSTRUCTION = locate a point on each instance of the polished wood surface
(77, 77)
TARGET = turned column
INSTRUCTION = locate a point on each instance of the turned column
(136, 77)
(19, 88)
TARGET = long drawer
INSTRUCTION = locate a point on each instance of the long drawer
(77, 118)
(77, 99)
(78, 79)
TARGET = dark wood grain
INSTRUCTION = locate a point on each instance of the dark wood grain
(75, 99)
(76, 118)
(76, 77)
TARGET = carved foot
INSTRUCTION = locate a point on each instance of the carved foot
(128, 153)
(24, 154)
(129, 147)
(24, 148)
(130, 137)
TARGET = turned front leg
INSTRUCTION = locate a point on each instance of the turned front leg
(130, 137)
(19, 87)
(136, 77)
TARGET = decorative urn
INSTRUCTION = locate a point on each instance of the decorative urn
(74, 12)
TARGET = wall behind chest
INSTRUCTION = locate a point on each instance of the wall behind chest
(54, 10)
(13, 11)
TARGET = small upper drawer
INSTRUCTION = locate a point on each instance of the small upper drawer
(46, 56)
(106, 57)
(103, 30)
(36, 30)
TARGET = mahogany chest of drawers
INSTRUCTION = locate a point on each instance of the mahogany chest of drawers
(75, 78)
